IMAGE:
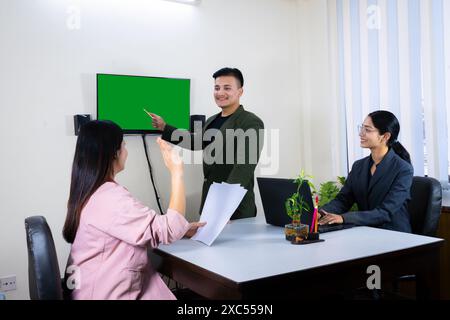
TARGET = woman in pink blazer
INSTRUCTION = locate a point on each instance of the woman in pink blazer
(111, 231)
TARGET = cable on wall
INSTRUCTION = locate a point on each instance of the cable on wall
(158, 199)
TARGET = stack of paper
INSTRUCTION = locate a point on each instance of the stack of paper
(221, 202)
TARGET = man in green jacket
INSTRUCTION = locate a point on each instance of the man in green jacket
(231, 140)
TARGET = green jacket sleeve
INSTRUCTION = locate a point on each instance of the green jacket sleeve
(182, 138)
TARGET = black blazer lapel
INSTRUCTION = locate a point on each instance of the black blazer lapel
(362, 192)
(382, 170)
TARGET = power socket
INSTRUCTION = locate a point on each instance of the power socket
(8, 283)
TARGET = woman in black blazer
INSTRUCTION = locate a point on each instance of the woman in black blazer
(379, 184)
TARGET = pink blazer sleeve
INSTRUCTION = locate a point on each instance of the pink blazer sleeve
(136, 224)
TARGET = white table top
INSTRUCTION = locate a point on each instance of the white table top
(249, 249)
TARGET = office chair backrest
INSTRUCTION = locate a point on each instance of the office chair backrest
(425, 205)
(43, 269)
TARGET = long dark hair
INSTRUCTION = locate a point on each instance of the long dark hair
(97, 146)
(386, 121)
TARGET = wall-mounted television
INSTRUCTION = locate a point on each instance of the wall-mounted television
(123, 98)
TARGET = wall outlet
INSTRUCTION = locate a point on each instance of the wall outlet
(8, 283)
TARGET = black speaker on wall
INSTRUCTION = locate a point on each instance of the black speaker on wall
(197, 122)
(79, 120)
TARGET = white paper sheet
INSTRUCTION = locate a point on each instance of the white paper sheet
(221, 202)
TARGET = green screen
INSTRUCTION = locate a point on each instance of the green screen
(122, 99)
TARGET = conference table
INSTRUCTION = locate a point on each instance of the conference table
(251, 259)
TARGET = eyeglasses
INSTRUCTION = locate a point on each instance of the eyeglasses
(363, 130)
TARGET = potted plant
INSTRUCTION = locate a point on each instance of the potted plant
(329, 190)
(295, 207)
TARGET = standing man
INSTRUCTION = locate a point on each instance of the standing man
(235, 146)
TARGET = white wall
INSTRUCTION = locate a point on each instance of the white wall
(47, 74)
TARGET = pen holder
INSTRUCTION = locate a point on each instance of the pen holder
(294, 230)
(313, 236)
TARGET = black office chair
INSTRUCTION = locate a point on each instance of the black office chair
(425, 210)
(425, 206)
(43, 269)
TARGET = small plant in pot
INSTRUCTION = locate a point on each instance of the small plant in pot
(295, 207)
